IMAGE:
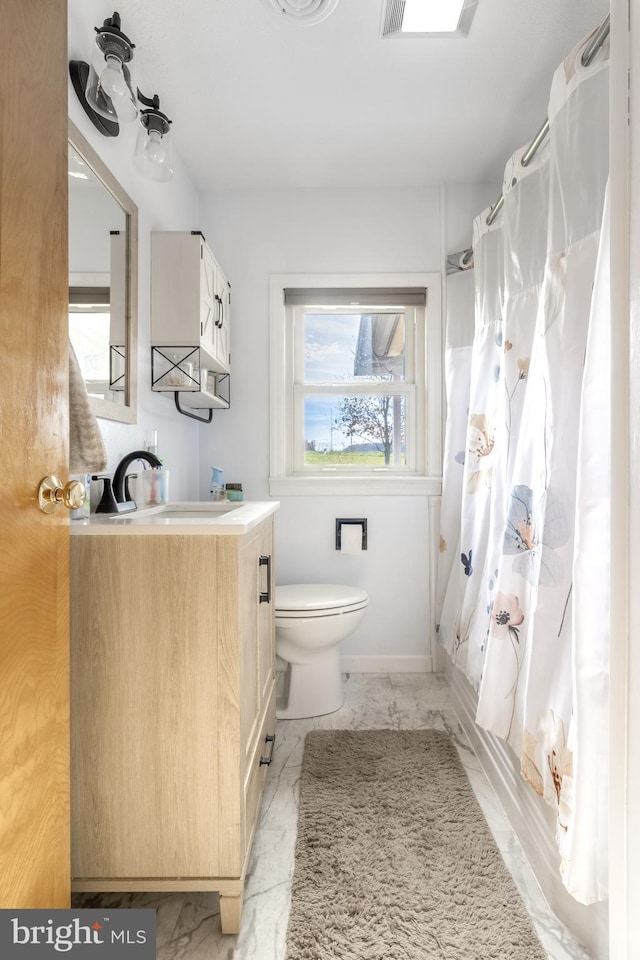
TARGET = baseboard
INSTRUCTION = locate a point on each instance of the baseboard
(386, 664)
(532, 819)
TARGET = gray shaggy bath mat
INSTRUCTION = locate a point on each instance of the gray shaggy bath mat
(394, 859)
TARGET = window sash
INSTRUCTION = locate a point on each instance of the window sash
(411, 446)
(410, 334)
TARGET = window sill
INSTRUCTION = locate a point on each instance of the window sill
(343, 486)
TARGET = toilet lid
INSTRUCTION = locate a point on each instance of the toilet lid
(317, 596)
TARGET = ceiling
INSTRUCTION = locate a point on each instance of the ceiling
(259, 101)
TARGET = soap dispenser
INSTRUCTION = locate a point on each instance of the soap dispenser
(216, 490)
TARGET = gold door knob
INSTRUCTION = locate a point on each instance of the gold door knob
(51, 494)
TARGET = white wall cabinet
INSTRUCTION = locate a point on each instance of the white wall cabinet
(173, 710)
(190, 319)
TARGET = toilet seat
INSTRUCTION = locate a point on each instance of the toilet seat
(310, 600)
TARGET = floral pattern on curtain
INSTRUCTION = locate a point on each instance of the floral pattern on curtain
(477, 455)
(530, 619)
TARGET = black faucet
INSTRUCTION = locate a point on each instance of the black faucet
(115, 493)
(118, 483)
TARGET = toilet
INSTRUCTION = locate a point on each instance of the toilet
(312, 620)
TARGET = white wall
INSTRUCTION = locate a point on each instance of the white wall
(254, 234)
(161, 206)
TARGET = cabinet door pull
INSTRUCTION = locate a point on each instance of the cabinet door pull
(220, 312)
(265, 597)
(269, 738)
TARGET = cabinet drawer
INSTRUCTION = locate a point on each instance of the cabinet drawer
(257, 772)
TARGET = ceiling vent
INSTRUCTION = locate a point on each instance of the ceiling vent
(396, 12)
(304, 11)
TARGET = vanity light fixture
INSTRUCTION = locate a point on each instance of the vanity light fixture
(104, 90)
(109, 91)
(153, 155)
(103, 87)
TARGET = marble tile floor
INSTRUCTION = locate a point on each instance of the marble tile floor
(188, 925)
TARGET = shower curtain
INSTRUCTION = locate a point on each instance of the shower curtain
(525, 609)
(457, 362)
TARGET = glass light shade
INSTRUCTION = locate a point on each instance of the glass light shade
(109, 89)
(153, 155)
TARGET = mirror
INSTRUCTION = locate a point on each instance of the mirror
(103, 262)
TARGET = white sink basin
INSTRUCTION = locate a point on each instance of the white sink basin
(198, 519)
(171, 514)
(176, 511)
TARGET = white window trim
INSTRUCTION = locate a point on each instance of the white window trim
(283, 481)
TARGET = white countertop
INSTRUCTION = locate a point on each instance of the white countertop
(213, 519)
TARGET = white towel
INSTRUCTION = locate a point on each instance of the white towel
(87, 453)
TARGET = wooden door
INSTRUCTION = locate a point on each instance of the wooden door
(34, 580)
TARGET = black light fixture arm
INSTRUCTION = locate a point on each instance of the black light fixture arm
(153, 101)
(153, 118)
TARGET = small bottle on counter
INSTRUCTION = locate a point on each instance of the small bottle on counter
(216, 490)
(234, 491)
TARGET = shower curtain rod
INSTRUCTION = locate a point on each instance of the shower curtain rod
(587, 56)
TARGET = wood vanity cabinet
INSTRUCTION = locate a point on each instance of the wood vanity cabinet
(172, 709)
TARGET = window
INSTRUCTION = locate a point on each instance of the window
(354, 388)
(350, 383)
(101, 363)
